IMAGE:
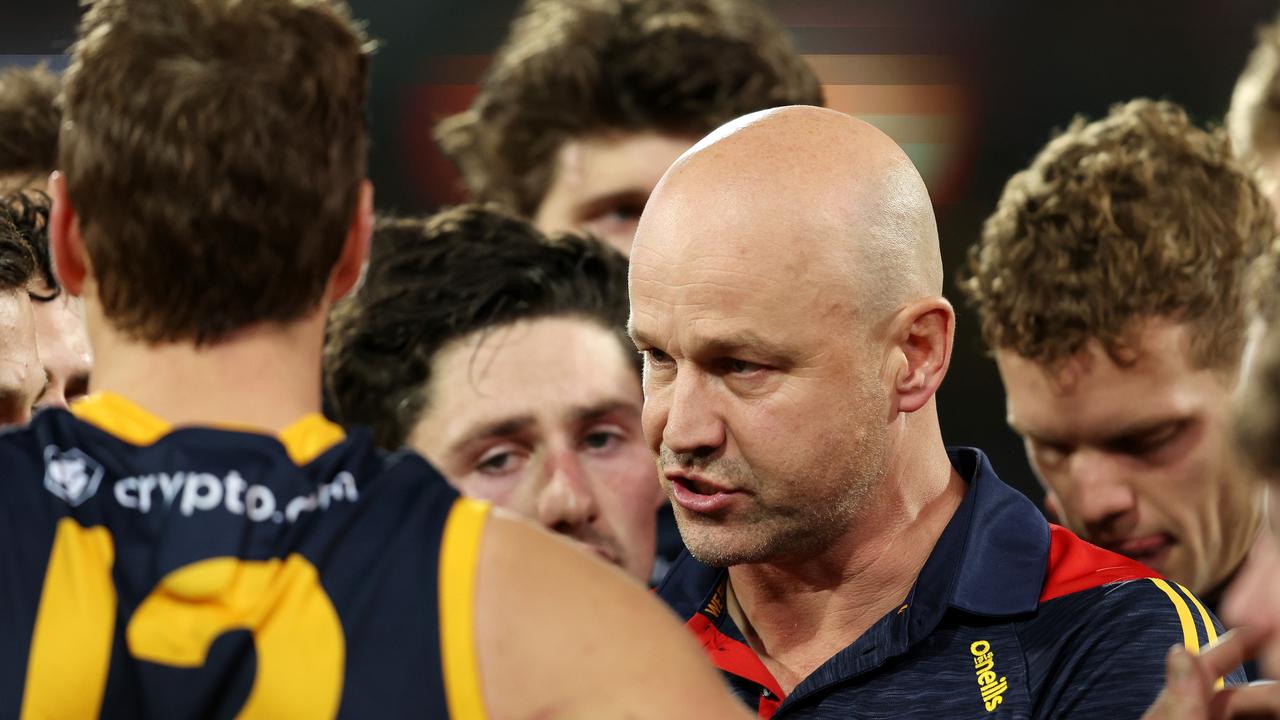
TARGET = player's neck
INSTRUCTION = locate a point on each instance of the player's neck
(265, 376)
(799, 613)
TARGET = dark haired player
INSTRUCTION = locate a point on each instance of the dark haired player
(502, 356)
(194, 539)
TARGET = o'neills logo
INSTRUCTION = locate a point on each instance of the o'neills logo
(984, 664)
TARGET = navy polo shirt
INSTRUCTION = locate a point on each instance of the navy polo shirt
(1010, 617)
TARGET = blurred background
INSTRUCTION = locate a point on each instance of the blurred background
(970, 90)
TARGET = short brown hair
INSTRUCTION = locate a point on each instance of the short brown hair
(1254, 118)
(462, 271)
(1135, 216)
(573, 68)
(214, 151)
(29, 120)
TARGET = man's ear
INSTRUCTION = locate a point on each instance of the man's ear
(923, 332)
(66, 246)
(355, 249)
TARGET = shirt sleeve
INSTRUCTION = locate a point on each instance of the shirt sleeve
(1105, 654)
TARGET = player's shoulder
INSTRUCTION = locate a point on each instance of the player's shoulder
(1077, 566)
(1090, 591)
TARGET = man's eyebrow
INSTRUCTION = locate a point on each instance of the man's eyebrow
(496, 428)
(743, 340)
(1142, 428)
(589, 413)
(1120, 433)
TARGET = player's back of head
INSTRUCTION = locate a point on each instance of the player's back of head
(213, 151)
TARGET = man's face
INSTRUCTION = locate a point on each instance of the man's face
(602, 182)
(21, 377)
(64, 348)
(764, 399)
(1137, 457)
(543, 417)
(1253, 599)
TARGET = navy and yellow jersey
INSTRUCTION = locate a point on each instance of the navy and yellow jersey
(1010, 617)
(152, 572)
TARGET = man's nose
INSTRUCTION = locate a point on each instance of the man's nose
(567, 500)
(1101, 493)
(693, 426)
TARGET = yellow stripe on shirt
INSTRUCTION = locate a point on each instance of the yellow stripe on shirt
(1210, 632)
(459, 557)
(1190, 636)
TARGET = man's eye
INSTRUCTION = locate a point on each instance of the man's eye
(656, 357)
(499, 462)
(601, 440)
(742, 367)
(1151, 442)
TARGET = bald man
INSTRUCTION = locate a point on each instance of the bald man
(786, 294)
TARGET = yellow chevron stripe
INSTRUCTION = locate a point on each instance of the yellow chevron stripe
(1209, 630)
(1190, 636)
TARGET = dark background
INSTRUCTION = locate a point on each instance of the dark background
(971, 90)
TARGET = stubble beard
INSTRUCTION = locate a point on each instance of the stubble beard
(788, 531)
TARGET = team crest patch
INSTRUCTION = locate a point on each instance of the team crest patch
(70, 474)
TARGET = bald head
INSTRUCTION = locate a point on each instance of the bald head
(785, 292)
(803, 183)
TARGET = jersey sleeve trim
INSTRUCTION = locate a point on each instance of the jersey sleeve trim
(459, 555)
(1190, 634)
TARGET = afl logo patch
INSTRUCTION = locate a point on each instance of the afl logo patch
(70, 474)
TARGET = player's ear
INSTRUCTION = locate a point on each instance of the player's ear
(922, 334)
(66, 246)
(355, 248)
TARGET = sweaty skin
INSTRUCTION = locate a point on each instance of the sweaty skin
(21, 376)
(786, 293)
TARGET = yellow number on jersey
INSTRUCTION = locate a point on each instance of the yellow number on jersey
(296, 631)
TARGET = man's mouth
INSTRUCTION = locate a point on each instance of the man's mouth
(699, 494)
(1150, 550)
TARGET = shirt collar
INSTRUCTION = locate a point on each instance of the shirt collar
(990, 559)
(304, 440)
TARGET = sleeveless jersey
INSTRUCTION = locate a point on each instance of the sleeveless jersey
(154, 572)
